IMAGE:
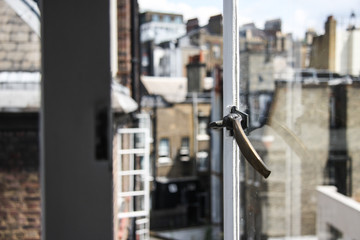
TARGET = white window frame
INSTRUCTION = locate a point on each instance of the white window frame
(142, 216)
(231, 94)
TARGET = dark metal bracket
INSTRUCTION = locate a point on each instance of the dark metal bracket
(237, 123)
(227, 121)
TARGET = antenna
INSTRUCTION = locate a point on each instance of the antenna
(352, 21)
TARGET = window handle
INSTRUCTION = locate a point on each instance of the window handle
(236, 122)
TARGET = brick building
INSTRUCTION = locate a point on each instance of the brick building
(209, 38)
(337, 50)
(170, 58)
(265, 55)
(323, 47)
(310, 139)
(19, 121)
(161, 27)
(128, 46)
(20, 42)
(180, 110)
(20, 104)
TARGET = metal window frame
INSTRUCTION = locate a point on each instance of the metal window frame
(231, 95)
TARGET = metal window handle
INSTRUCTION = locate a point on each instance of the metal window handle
(236, 122)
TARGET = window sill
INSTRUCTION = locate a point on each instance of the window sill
(203, 137)
(164, 161)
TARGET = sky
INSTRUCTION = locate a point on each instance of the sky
(296, 15)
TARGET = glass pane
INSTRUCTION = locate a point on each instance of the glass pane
(185, 142)
(203, 125)
(130, 183)
(132, 140)
(131, 162)
(299, 80)
(164, 147)
(131, 204)
(202, 161)
(300, 93)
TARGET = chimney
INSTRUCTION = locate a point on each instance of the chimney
(215, 25)
(330, 32)
(196, 73)
(192, 24)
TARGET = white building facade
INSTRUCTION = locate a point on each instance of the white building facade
(347, 60)
(161, 27)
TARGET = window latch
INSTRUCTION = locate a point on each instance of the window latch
(237, 123)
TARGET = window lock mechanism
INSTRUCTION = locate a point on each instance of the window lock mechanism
(237, 123)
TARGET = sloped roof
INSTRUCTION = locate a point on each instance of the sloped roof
(19, 38)
(121, 100)
(172, 89)
(28, 11)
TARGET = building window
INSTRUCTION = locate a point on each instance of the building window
(178, 19)
(203, 128)
(164, 151)
(145, 60)
(185, 149)
(216, 51)
(164, 147)
(185, 142)
(338, 172)
(202, 160)
(166, 18)
(155, 18)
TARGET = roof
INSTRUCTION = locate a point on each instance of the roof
(20, 40)
(251, 28)
(121, 100)
(172, 89)
(28, 11)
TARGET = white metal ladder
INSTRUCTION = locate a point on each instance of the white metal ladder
(133, 192)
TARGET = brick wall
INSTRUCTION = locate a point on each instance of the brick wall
(353, 135)
(20, 205)
(300, 126)
(174, 124)
(19, 177)
(124, 42)
(323, 47)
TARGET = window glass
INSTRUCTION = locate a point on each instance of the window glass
(178, 19)
(216, 51)
(299, 66)
(166, 18)
(155, 18)
(202, 161)
(185, 149)
(203, 125)
(164, 147)
(185, 142)
(300, 95)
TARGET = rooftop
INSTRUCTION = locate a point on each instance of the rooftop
(172, 89)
